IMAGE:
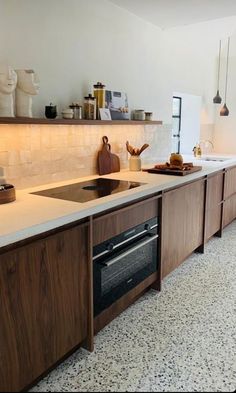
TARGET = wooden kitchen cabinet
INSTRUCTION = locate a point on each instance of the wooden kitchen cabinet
(182, 224)
(43, 305)
(230, 182)
(214, 204)
(229, 211)
(121, 220)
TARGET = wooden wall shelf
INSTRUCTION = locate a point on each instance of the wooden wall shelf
(15, 120)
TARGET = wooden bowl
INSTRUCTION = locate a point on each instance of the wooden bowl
(7, 193)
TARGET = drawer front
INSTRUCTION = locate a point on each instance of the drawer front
(113, 224)
(229, 211)
(182, 224)
(215, 190)
(213, 222)
(230, 183)
(214, 204)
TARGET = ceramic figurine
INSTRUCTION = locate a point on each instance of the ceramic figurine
(8, 81)
(27, 86)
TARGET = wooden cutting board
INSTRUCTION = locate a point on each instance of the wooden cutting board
(107, 161)
(173, 172)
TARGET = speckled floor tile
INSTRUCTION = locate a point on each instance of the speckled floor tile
(183, 339)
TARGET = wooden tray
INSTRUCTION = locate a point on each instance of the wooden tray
(173, 172)
(8, 195)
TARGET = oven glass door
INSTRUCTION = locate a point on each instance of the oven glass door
(121, 272)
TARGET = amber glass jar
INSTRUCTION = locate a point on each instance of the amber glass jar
(90, 107)
(99, 94)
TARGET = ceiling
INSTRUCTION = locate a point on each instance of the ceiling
(173, 13)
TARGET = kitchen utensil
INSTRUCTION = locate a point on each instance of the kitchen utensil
(104, 159)
(135, 151)
(144, 147)
(7, 193)
(107, 162)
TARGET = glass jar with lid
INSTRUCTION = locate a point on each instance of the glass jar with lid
(90, 107)
(99, 94)
(77, 109)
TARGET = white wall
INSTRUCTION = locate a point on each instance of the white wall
(225, 127)
(191, 59)
(75, 43)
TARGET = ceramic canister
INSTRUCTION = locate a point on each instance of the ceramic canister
(51, 111)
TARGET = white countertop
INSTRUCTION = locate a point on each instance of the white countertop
(31, 215)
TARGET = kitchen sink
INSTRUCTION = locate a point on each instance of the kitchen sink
(215, 159)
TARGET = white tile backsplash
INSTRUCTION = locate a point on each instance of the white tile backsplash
(32, 155)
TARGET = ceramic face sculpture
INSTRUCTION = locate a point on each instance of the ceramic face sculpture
(27, 86)
(8, 80)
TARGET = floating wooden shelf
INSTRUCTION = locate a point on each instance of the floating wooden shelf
(22, 120)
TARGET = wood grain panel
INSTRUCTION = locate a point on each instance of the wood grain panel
(26, 120)
(214, 204)
(113, 224)
(229, 211)
(122, 304)
(230, 182)
(43, 305)
(182, 225)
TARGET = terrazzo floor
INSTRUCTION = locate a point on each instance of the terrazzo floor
(183, 339)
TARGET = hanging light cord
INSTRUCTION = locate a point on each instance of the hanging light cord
(219, 66)
(227, 72)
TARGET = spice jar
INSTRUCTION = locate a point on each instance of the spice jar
(99, 94)
(77, 109)
(148, 116)
(90, 107)
(139, 114)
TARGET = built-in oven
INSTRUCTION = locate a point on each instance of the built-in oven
(123, 262)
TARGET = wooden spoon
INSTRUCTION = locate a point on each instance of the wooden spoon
(144, 147)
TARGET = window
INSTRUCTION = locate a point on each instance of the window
(176, 125)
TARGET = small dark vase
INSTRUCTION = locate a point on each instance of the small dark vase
(51, 111)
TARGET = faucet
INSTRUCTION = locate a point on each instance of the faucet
(205, 143)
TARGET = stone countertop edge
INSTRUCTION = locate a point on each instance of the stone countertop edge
(67, 212)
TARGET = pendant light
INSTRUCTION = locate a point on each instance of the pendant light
(225, 111)
(217, 99)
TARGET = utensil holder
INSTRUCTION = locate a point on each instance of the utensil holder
(135, 164)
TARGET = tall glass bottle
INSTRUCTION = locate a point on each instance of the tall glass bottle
(99, 94)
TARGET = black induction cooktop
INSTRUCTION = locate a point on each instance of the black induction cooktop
(89, 190)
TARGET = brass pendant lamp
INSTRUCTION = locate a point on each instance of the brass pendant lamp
(225, 111)
(217, 99)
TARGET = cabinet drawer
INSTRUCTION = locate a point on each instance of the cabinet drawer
(230, 183)
(215, 190)
(121, 220)
(229, 211)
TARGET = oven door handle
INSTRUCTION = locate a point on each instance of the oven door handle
(125, 242)
(125, 254)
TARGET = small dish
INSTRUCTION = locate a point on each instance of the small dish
(68, 114)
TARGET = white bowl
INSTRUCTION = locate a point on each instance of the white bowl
(67, 115)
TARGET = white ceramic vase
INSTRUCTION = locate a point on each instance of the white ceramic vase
(135, 163)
